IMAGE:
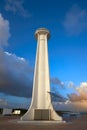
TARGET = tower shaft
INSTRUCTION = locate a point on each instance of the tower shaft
(41, 78)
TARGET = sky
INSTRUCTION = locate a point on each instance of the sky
(67, 47)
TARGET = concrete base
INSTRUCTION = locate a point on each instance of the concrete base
(41, 122)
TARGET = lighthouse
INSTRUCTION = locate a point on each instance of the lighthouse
(41, 107)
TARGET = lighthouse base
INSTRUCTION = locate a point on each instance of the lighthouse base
(41, 114)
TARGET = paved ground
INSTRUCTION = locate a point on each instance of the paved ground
(10, 123)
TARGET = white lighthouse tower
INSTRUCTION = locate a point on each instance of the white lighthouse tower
(41, 107)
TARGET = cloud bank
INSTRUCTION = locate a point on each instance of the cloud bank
(75, 21)
(15, 75)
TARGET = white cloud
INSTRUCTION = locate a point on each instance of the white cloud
(75, 20)
(17, 7)
(4, 31)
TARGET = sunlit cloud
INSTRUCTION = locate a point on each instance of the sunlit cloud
(81, 93)
(71, 106)
(76, 101)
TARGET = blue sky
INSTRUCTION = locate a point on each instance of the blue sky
(67, 22)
